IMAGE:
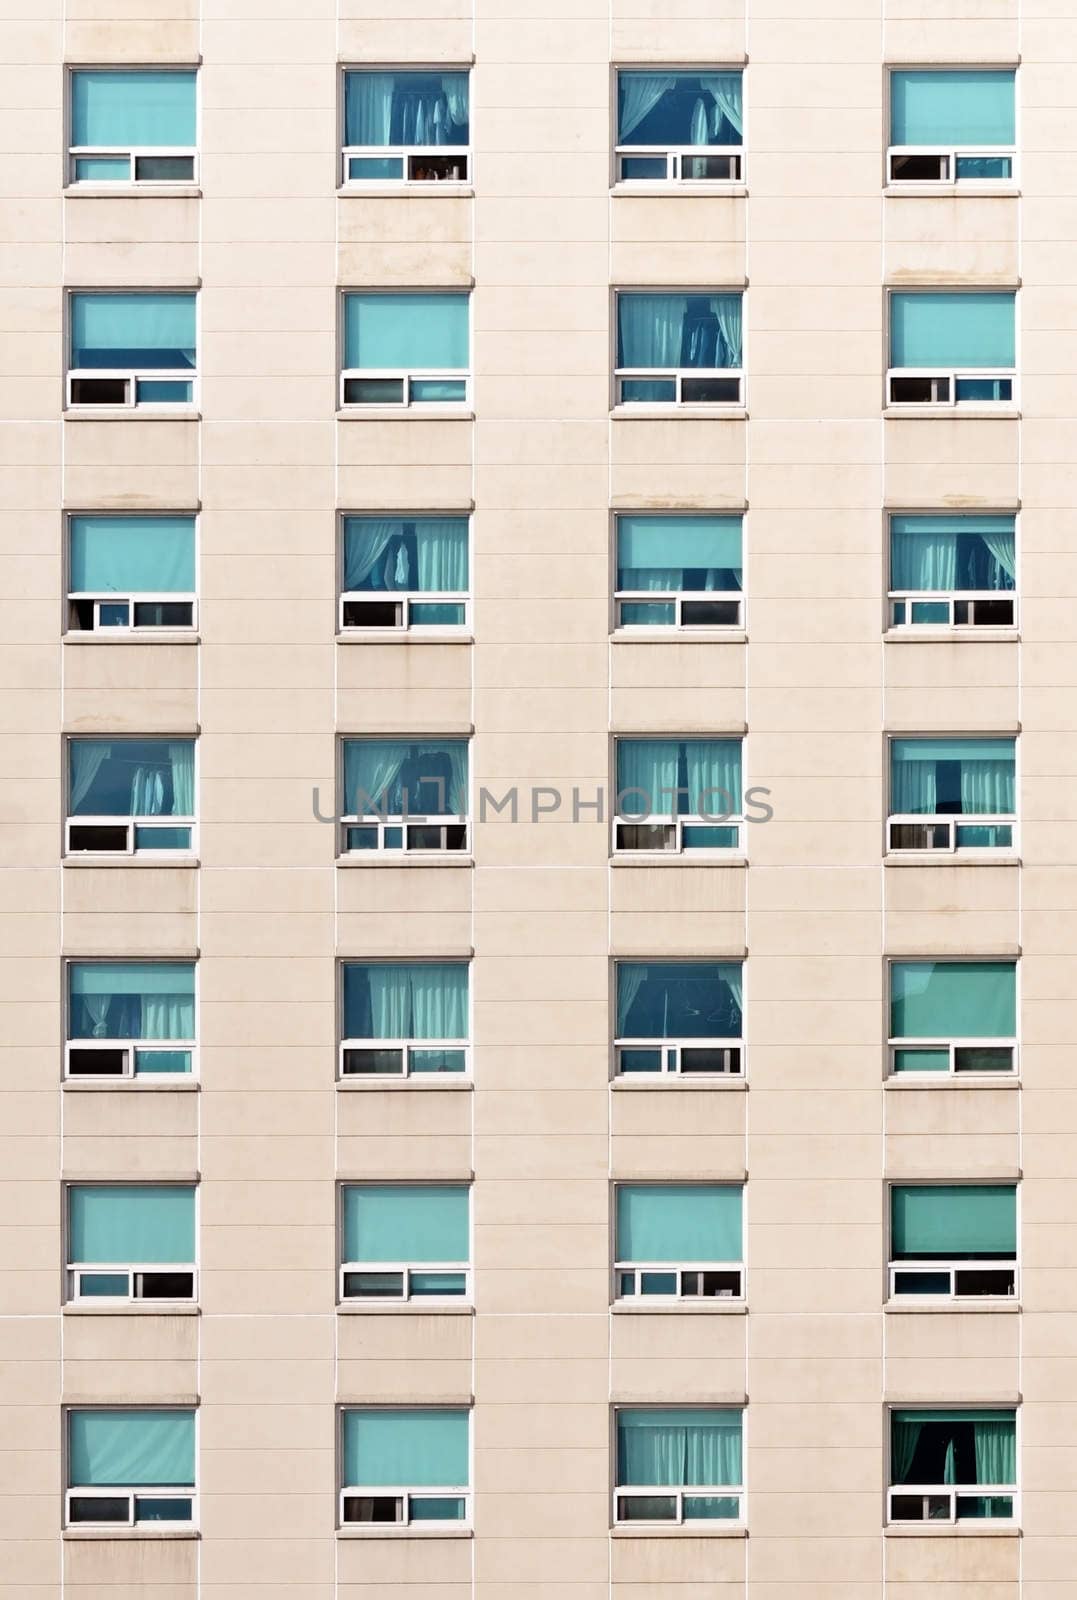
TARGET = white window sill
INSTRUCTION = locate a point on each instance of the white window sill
(405, 636)
(663, 1081)
(422, 413)
(424, 1082)
(712, 1308)
(678, 1530)
(147, 1085)
(131, 413)
(650, 412)
(376, 859)
(160, 1308)
(985, 1307)
(386, 1530)
(403, 1308)
(688, 858)
(952, 858)
(651, 188)
(974, 412)
(116, 859)
(921, 634)
(974, 1529)
(120, 1532)
(899, 1082)
(149, 636)
(134, 191)
(970, 189)
(661, 634)
(442, 188)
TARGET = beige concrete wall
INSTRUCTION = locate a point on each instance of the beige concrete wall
(269, 466)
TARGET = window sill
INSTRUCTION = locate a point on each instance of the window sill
(713, 413)
(990, 1308)
(665, 1081)
(951, 858)
(371, 858)
(443, 188)
(421, 413)
(707, 190)
(71, 1534)
(928, 635)
(161, 1308)
(661, 634)
(384, 1531)
(961, 1530)
(900, 1083)
(131, 413)
(403, 1308)
(927, 191)
(679, 1530)
(134, 191)
(689, 858)
(130, 1085)
(118, 860)
(424, 1082)
(993, 413)
(150, 636)
(712, 1308)
(404, 636)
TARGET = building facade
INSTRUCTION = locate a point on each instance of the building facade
(538, 729)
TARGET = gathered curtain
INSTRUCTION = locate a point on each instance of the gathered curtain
(374, 768)
(399, 108)
(149, 1000)
(679, 999)
(87, 757)
(726, 89)
(713, 770)
(679, 1448)
(994, 1437)
(952, 553)
(646, 777)
(406, 1000)
(639, 93)
(441, 550)
(366, 541)
(987, 786)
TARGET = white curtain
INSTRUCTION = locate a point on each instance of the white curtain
(147, 792)
(364, 548)
(987, 788)
(651, 329)
(371, 770)
(728, 311)
(181, 759)
(87, 759)
(454, 86)
(914, 788)
(442, 555)
(630, 980)
(640, 93)
(1002, 548)
(734, 977)
(370, 108)
(726, 91)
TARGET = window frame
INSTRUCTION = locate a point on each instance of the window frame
(947, 402)
(406, 1077)
(406, 1300)
(142, 1491)
(679, 852)
(938, 821)
(406, 406)
(671, 1072)
(133, 183)
(951, 183)
(406, 1527)
(678, 1492)
(675, 153)
(132, 376)
(73, 1271)
(950, 597)
(145, 633)
(955, 1042)
(406, 598)
(129, 1076)
(444, 820)
(637, 1300)
(952, 1266)
(131, 852)
(406, 152)
(645, 632)
(643, 408)
(952, 1491)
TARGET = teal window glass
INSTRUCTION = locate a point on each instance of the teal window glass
(984, 167)
(406, 1000)
(131, 1000)
(679, 1222)
(953, 1000)
(929, 329)
(952, 108)
(132, 555)
(102, 169)
(391, 777)
(405, 108)
(122, 331)
(954, 1447)
(948, 554)
(133, 108)
(679, 330)
(952, 777)
(117, 1224)
(679, 552)
(398, 1448)
(409, 331)
(679, 777)
(679, 1447)
(679, 108)
(112, 1449)
(953, 1220)
(405, 1222)
(131, 777)
(162, 1062)
(679, 999)
(387, 554)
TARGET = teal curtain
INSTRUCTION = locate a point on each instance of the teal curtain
(131, 108)
(405, 107)
(952, 108)
(953, 1220)
(997, 1429)
(441, 545)
(378, 768)
(406, 330)
(996, 1451)
(406, 1000)
(659, 552)
(952, 552)
(129, 1224)
(421, 1448)
(713, 776)
(144, 331)
(131, 1449)
(149, 1000)
(669, 331)
(181, 764)
(424, 553)
(953, 1000)
(685, 1447)
(943, 329)
(405, 1222)
(132, 555)
(648, 766)
(987, 782)
(986, 775)
(679, 1222)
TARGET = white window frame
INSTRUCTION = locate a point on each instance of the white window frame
(949, 824)
(77, 1270)
(443, 820)
(950, 598)
(405, 599)
(946, 399)
(131, 823)
(952, 1046)
(131, 377)
(134, 154)
(105, 632)
(670, 1050)
(952, 1493)
(677, 1269)
(678, 598)
(406, 1269)
(675, 157)
(679, 375)
(405, 1046)
(952, 1268)
(675, 829)
(405, 1494)
(406, 154)
(407, 377)
(678, 1495)
(948, 157)
(143, 1492)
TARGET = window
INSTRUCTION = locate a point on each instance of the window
(676, 795)
(679, 572)
(406, 349)
(131, 1468)
(953, 1241)
(935, 784)
(130, 1241)
(130, 574)
(132, 349)
(952, 349)
(683, 127)
(679, 1465)
(953, 1466)
(133, 127)
(951, 1017)
(405, 796)
(679, 349)
(678, 1241)
(952, 572)
(951, 127)
(405, 573)
(130, 796)
(404, 1018)
(679, 1018)
(130, 1019)
(405, 1241)
(402, 126)
(408, 1467)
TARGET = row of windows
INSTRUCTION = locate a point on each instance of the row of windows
(412, 1019)
(406, 126)
(410, 796)
(411, 1467)
(413, 573)
(412, 348)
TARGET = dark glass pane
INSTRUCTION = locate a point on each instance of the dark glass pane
(99, 391)
(374, 1063)
(646, 1508)
(373, 614)
(998, 1281)
(989, 389)
(652, 167)
(646, 836)
(431, 169)
(919, 836)
(373, 1285)
(983, 1058)
(980, 1505)
(907, 1508)
(98, 1508)
(376, 168)
(163, 613)
(95, 1063)
(434, 1508)
(438, 1061)
(155, 1508)
(710, 613)
(711, 1507)
(985, 167)
(373, 391)
(993, 613)
(164, 1285)
(360, 838)
(163, 391)
(109, 1285)
(165, 169)
(919, 391)
(710, 391)
(97, 838)
(437, 1283)
(921, 1283)
(918, 169)
(658, 390)
(710, 167)
(648, 613)
(661, 1283)
(373, 1508)
(698, 1062)
(640, 1061)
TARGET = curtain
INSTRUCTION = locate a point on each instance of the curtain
(441, 544)
(133, 108)
(952, 108)
(713, 776)
(390, 1002)
(408, 330)
(1002, 546)
(649, 765)
(87, 756)
(996, 1452)
(366, 539)
(699, 130)
(639, 93)
(631, 975)
(131, 1449)
(457, 795)
(132, 1000)
(147, 792)
(956, 1220)
(726, 89)
(728, 309)
(110, 331)
(650, 330)
(657, 552)
(406, 1000)
(131, 1224)
(368, 108)
(733, 974)
(679, 1222)
(455, 88)
(679, 1448)
(947, 329)
(132, 555)
(371, 770)
(905, 1433)
(922, 560)
(953, 1000)
(181, 760)
(439, 994)
(406, 1448)
(405, 1222)
(987, 786)
(912, 782)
